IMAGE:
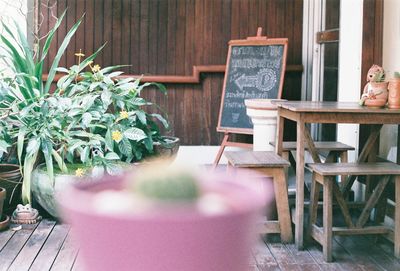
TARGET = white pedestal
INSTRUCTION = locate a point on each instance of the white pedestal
(263, 114)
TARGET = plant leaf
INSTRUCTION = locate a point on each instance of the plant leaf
(112, 156)
(135, 134)
(27, 173)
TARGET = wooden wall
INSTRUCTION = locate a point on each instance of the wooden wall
(168, 37)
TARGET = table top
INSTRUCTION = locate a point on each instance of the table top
(331, 107)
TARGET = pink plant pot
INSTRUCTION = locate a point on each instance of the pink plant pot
(180, 240)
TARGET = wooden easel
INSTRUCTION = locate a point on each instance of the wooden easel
(258, 40)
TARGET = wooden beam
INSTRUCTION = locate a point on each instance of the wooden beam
(327, 36)
(182, 79)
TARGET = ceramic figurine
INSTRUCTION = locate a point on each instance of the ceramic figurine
(25, 214)
(375, 92)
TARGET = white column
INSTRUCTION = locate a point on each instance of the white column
(350, 52)
(263, 114)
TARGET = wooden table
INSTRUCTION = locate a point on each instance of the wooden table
(303, 112)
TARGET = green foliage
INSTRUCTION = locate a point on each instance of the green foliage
(397, 75)
(91, 119)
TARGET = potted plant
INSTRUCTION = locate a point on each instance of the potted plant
(394, 91)
(4, 219)
(89, 125)
(163, 212)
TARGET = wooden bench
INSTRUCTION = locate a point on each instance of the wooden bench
(268, 164)
(335, 149)
(324, 175)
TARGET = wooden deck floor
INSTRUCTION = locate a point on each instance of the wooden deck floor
(48, 246)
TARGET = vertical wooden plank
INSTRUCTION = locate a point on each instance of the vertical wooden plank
(80, 33)
(244, 19)
(71, 20)
(66, 257)
(116, 32)
(235, 20)
(89, 26)
(179, 68)
(144, 36)
(190, 129)
(98, 40)
(327, 218)
(172, 47)
(107, 32)
(135, 37)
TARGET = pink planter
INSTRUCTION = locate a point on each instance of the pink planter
(180, 240)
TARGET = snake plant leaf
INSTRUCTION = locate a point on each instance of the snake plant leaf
(47, 148)
(29, 162)
(60, 52)
(60, 161)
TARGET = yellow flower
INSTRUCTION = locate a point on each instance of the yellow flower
(80, 54)
(116, 136)
(96, 68)
(79, 172)
(123, 114)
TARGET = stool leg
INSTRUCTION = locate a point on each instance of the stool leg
(314, 197)
(344, 156)
(282, 205)
(327, 219)
(397, 219)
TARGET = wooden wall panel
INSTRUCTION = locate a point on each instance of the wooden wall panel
(169, 37)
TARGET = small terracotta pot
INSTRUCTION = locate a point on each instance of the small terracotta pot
(394, 93)
(380, 100)
(2, 198)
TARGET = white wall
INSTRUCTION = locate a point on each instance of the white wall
(391, 63)
(350, 51)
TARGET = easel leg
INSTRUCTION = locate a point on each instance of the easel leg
(221, 150)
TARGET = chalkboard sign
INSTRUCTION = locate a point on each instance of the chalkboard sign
(255, 70)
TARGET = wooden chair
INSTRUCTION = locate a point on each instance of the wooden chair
(324, 175)
(268, 164)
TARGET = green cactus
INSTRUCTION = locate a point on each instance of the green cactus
(177, 186)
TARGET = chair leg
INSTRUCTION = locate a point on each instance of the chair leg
(313, 208)
(397, 219)
(282, 205)
(327, 219)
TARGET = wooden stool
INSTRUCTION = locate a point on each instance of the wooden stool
(324, 175)
(268, 164)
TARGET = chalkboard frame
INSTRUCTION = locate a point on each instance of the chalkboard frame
(251, 41)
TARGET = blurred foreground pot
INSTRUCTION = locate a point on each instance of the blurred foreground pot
(11, 180)
(180, 239)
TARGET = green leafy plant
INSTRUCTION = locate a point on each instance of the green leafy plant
(91, 119)
(396, 75)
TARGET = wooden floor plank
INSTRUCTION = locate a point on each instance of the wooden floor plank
(360, 254)
(375, 253)
(14, 245)
(67, 255)
(32, 247)
(263, 257)
(78, 265)
(51, 248)
(5, 236)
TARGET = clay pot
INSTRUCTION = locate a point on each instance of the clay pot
(394, 93)
(11, 180)
(4, 219)
(380, 100)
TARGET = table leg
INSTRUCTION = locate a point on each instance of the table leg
(299, 218)
(279, 135)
